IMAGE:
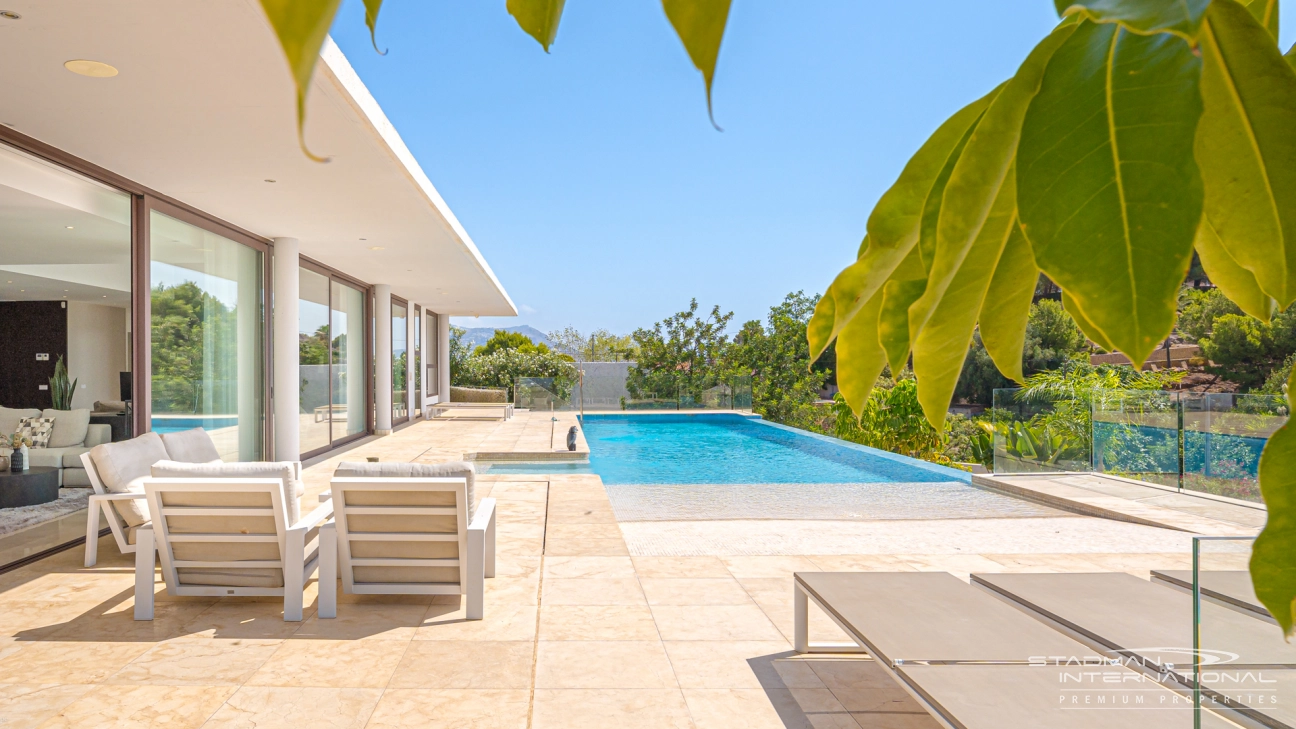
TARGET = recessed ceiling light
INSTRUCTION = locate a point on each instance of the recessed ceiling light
(93, 69)
(376, 248)
(65, 291)
(10, 15)
(269, 180)
(69, 227)
(105, 296)
(364, 239)
(8, 281)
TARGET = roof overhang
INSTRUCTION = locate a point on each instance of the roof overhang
(203, 111)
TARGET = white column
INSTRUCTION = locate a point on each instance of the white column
(443, 356)
(383, 363)
(285, 359)
(410, 392)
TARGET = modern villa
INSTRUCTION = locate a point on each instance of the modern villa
(236, 489)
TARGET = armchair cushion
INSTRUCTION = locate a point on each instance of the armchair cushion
(452, 469)
(284, 471)
(70, 426)
(122, 468)
(190, 446)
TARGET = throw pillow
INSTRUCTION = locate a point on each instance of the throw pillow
(38, 430)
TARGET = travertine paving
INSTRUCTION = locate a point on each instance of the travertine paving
(577, 631)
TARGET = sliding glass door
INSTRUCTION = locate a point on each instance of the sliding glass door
(207, 294)
(400, 362)
(418, 361)
(349, 416)
(331, 320)
(430, 357)
(314, 344)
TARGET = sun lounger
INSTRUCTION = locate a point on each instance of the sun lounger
(1121, 614)
(1231, 588)
(975, 662)
(501, 410)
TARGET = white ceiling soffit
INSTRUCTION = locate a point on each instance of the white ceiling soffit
(203, 110)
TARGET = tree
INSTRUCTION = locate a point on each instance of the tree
(1052, 340)
(1199, 309)
(600, 346)
(187, 371)
(1245, 350)
(784, 386)
(503, 367)
(459, 353)
(313, 349)
(503, 339)
(680, 356)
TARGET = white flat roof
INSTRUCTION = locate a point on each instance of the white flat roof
(203, 111)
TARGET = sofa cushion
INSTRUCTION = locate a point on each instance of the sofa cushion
(70, 426)
(37, 430)
(283, 470)
(190, 446)
(10, 417)
(75, 478)
(451, 469)
(56, 457)
(123, 466)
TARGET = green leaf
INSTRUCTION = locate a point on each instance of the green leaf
(1237, 283)
(900, 292)
(1007, 305)
(1092, 332)
(1273, 557)
(700, 25)
(301, 26)
(1266, 14)
(1146, 17)
(371, 19)
(978, 177)
(860, 357)
(1291, 56)
(539, 18)
(1246, 147)
(893, 229)
(941, 346)
(1108, 192)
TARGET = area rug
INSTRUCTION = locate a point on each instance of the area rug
(69, 501)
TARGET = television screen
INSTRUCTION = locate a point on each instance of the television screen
(125, 382)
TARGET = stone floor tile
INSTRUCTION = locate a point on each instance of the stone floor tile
(267, 707)
(756, 567)
(597, 622)
(27, 705)
(365, 622)
(590, 531)
(593, 591)
(1044, 563)
(714, 622)
(885, 700)
(833, 721)
(68, 661)
(197, 663)
(39, 620)
(959, 565)
(571, 664)
(574, 567)
(894, 720)
(451, 709)
(465, 665)
(331, 663)
(243, 620)
(727, 664)
(701, 591)
(501, 621)
(128, 707)
(582, 546)
(681, 567)
(861, 563)
(747, 708)
(81, 586)
(845, 674)
(602, 708)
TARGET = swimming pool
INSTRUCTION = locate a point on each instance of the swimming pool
(176, 423)
(671, 466)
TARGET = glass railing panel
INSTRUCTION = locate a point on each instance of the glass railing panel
(543, 393)
(1223, 439)
(1039, 434)
(1136, 434)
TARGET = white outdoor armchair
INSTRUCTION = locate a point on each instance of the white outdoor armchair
(407, 535)
(226, 537)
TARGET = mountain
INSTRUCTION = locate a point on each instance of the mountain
(477, 336)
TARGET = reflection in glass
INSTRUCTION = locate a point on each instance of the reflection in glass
(207, 336)
(313, 353)
(418, 361)
(430, 356)
(400, 361)
(348, 321)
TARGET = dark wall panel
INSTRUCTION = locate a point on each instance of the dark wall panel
(29, 328)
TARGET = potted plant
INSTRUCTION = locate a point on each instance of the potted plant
(18, 459)
(60, 389)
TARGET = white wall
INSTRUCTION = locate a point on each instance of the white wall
(96, 351)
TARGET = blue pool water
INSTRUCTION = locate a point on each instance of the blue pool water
(171, 424)
(676, 467)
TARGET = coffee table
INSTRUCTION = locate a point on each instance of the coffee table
(36, 485)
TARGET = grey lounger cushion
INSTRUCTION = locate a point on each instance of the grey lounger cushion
(451, 469)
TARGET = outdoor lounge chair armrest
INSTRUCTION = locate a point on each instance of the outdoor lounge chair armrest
(117, 496)
(484, 516)
(321, 514)
(484, 522)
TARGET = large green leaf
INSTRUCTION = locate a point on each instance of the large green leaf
(941, 346)
(1291, 56)
(892, 229)
(1273, 558)
(860, 358)
(371, 19)
(539, 18)
(1181, 17)
(1007, 305)
(978, 176)
(1237, 283)
(301, 26)
(1108, 192)
(899, 293)
(1086, 325)
(1247, 149)
(1266, 13)
(700, 25)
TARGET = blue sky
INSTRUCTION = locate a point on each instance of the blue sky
(592, 180)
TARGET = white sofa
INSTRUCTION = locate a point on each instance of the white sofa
(73, 435)
(119, 471)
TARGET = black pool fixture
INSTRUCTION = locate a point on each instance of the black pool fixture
(571, 439)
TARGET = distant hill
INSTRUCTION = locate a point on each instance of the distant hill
(477, 336)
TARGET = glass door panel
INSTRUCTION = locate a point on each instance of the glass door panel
(313, 353)
(418, 361)
(400, 393)
(347, 413)
(430, 357)
(207, 335)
